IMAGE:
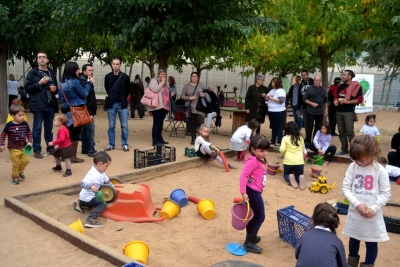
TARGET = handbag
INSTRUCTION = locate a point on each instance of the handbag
(355, 116)
(80, 115)
(107, 101)
(188, 112)
(150, 99)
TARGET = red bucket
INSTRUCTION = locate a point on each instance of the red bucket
(315, 171)
(241, 215)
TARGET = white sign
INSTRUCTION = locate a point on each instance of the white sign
(367, 83)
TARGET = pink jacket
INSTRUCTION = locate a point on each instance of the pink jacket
(253, 175)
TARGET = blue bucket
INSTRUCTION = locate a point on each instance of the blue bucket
(179, 196)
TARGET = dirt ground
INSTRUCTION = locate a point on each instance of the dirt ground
(188, 239)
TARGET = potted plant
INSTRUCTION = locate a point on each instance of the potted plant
(240, 104)
(235, 89)
(218, 88)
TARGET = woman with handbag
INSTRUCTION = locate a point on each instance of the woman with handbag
(160, 87)
(72, 94)
(191, 93)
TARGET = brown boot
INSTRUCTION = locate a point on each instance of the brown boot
(74, 159)
(353, 261)
(362, 264)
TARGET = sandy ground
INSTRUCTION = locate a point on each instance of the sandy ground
(188, 239)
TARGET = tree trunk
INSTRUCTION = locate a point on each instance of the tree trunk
(256, 71)
(324, 57)
(333, 69)
(389, 89)
(383, 89)
(3, 85)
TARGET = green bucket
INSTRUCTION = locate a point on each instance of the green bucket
(318, 160)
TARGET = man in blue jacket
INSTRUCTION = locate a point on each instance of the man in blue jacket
(43, 102)
(117, 85)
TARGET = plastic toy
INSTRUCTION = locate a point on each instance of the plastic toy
(322, 185)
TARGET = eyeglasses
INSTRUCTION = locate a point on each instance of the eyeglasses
(317, 80)
(44, 57)
(361, 162)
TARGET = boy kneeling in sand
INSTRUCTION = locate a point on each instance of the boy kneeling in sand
(93, 180)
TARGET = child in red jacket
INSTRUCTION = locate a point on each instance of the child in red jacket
(63, 142)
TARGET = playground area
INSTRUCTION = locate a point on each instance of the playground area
(187, 239)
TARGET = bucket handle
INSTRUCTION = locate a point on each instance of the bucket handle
(317, 159)
(272, 170)
(248, 211)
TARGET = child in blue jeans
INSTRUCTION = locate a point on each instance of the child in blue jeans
(93, 180)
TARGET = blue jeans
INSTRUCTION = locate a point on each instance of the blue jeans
(296, 117)
(87, 136)
(276, 126)
(257, 205)
(123, 119)
(289, 169)
(158, 121)
(46, 118)
(99, 207)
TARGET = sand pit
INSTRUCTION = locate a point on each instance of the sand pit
(190, 240)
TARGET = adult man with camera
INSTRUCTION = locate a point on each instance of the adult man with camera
(41, 85)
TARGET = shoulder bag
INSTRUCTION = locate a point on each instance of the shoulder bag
(188, 112)
(150, 99)
(80, 115)
(107, 100)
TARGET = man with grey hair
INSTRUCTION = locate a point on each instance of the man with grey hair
(316, 101)
(254, 103)
(117, 85)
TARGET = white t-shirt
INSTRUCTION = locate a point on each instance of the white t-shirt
(242, 133)
(393, 171)
(12, 87)
(272, 105)
(93, 177)
(370, 130)
(200, 141)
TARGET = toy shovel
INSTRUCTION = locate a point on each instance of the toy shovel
(99, 195)
(28, 150)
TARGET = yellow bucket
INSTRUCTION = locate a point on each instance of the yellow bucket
(137, 250)
(206, 208)
(170, 209)
(77, 226)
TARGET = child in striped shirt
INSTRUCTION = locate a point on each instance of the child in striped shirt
(17, 132)
(321, 144)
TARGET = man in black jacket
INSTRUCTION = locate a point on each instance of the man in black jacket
(43, 102)
(87, 134)
(306, 82)
(117, 85)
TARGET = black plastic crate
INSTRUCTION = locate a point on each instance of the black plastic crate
(167, 152)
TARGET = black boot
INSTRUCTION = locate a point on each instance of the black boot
(193, 139)
(250, 245)
(68, 172)
(57, 168)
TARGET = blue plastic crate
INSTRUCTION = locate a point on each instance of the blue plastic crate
(134, 264)
(292, 224)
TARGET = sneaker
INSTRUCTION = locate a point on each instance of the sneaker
(83, 152)
(108, 148)
(46, 154)
(164, 142)
(15, 181)
(142, 118)
(158, 144)
(131, 118)
(77, 206)
(257, 239)
(326, 163)
(37, 155)
(251, 247)
(22, 176)
(125, 148)
(91, 154)
(92, 223)
(231, 167)
(341, 153)
(302, 182)
(292, 181)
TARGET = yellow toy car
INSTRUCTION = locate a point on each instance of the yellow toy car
(322, 185)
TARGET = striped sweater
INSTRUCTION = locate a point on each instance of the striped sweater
(322, 141)
(17, 135)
